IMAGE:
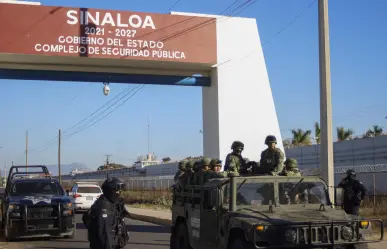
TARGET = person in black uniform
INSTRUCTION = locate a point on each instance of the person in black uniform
(354, 192)
(104, 215)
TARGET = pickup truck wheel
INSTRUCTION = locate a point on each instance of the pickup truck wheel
(180, 238)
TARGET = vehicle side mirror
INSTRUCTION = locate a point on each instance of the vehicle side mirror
(339, 196)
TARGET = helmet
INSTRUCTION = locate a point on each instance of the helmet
(196, 165)
(291, 162)
(237, 144)
(270, 139)
(205, 161)
(351, 172)
(190, 164)
(182, 164)
(113, 183)
(215, 162)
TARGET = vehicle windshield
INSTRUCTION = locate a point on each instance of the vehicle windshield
(36, 188)
(251, 193)
(302, 193)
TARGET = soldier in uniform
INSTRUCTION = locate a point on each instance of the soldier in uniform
(195, 169)
(234, 160)
(200, 176)
(214, 172)
(354, 192)
(291, 168)
(185, 179)
(181, 170)
(272, 158)
(215, 165)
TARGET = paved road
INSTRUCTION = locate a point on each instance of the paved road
(143, 236)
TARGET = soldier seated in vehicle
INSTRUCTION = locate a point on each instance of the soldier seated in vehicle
(291, 168)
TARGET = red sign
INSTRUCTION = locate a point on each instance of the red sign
(82, 32)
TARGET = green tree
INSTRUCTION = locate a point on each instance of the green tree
(301, 137)
(344, 134)
(317, 132)
(376, 130)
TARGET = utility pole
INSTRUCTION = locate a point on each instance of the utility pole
(148, 136)
(27, 151)
(107, 160)
(326, 145)
(107, 164)
(59, 145)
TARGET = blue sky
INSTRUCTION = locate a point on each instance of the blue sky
(358, 63)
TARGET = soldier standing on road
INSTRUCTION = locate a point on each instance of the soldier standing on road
(291, 168)
(103, 216)
(354, 192)
(272, 158)
(234, 160)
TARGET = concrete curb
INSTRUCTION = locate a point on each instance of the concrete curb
(151, 219)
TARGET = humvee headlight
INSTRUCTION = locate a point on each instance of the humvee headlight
(260, 228)
(364, 224)
(291, 235)
(347, 233)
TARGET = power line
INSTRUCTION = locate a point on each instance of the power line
(270, 39)
(80, 122)
(87, 126)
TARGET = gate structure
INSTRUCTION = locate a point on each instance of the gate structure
(221, 54)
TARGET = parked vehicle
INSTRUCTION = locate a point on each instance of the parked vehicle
(85, 194)
(34, 203)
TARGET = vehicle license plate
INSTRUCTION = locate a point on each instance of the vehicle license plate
(89, 198)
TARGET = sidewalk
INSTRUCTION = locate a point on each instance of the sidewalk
(163, 218)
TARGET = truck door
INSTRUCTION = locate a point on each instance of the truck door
(209, 220)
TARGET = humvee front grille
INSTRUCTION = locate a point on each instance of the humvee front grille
(323, 234)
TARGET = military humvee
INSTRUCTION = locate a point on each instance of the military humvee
(264, 212)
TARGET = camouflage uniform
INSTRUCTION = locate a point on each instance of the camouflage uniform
(272, 159)
(234, 160)
(291, 168)
(195, 168)
(200, 176)
(212, 173)
(181, 170)
(185, 179)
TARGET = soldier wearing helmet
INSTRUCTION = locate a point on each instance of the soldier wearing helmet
(291, 168)
(234, 160)
(200, 176)
(181, 170)
(354, 193)
(272, 158)
(185, 179)
(214, 172)
(215, 165)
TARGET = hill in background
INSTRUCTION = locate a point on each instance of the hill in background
(67, 168)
